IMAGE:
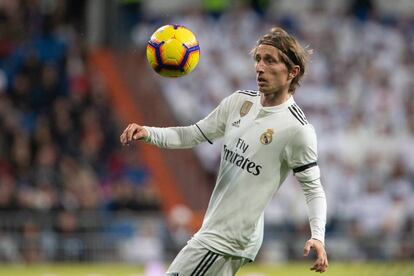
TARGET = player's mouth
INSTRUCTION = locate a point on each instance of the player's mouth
(261, 81)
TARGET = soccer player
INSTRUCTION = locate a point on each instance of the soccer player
(266, 135)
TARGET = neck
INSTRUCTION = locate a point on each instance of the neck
(273, 99)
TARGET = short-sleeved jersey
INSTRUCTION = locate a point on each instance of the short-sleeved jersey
(261, 146)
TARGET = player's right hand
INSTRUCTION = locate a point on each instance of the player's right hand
(133, 132)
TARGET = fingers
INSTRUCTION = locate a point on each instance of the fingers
(131, 132)
(307, 248)
(124, 136)
(320, 265)
(137, 135)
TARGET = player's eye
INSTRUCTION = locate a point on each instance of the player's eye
(270, 60)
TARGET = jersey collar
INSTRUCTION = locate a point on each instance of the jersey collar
(277, 108)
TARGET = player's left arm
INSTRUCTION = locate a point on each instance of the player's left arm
(303, 160)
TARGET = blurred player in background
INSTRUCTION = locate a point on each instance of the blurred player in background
(266, 135)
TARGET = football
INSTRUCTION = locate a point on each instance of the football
(173, 51)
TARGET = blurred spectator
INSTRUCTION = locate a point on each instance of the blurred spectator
(31, 243)
(8, 200)
(144, 247)
(362, 9)
(9, 251)
(70, 244)
(179, 221)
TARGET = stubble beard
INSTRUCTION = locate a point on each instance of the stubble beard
(274, 96)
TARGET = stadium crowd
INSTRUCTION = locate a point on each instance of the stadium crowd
(60, 161)
(358, 93)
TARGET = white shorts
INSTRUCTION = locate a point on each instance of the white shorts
(196, 260)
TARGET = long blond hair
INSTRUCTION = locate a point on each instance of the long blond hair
(291, 52)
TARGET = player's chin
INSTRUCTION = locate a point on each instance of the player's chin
(263, 88)
(266, 90)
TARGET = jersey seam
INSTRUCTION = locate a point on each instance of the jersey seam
(202, 133)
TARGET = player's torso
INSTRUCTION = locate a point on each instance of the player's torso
(251, 170)
(255, 138)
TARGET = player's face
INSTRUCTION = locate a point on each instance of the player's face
(271, 71)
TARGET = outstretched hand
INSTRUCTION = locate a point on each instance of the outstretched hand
(321, 263)
(133, 132)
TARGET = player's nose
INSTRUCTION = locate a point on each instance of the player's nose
(259, 67)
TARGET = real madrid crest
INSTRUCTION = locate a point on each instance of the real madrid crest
(267, 137)
(245, 108)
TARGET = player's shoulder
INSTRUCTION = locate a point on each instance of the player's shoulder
(247, 93)
(297, 116)
(244, 95)
(299, 123)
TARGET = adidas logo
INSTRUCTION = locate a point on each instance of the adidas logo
(236, 123)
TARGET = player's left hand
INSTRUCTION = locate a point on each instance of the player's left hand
(321, 263)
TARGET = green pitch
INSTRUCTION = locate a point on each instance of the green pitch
(335, 269)
(291, 269)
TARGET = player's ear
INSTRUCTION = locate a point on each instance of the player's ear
(294, 72)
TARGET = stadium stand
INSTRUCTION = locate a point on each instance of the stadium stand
(64, 178)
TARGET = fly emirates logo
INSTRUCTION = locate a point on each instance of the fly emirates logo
(239, 160)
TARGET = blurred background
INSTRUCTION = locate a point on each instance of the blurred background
(73, 74)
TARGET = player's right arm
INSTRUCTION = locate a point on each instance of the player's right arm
(208, 129)
(163, 137)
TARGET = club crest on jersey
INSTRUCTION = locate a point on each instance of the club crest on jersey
(245, 108)
(267, 137)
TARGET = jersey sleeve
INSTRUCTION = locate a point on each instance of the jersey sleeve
(301, 155)
(208, 129)
(213, 126)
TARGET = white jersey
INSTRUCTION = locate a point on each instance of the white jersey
(261, 146)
